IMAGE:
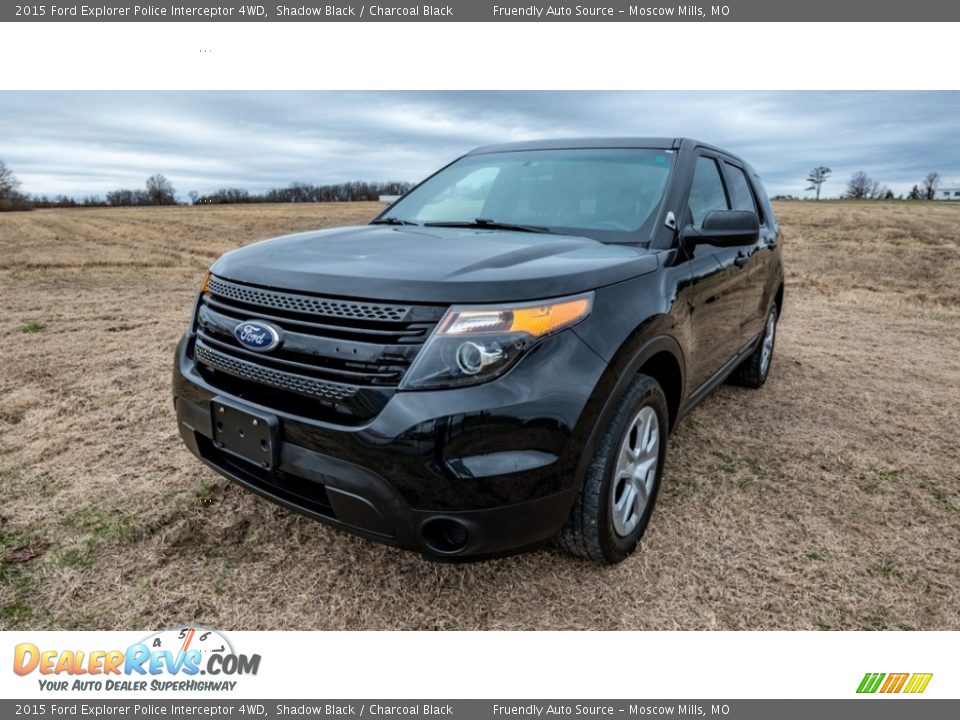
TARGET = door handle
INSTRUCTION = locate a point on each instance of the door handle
(741, 260)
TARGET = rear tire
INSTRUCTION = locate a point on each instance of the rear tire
(619, 492)
(753, 371)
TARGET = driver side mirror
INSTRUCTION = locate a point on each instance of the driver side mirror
(724, 228)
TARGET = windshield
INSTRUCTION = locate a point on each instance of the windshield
(608, 195)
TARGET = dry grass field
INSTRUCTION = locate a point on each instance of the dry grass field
(829, 499)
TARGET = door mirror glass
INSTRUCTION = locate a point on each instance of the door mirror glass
(725, 228)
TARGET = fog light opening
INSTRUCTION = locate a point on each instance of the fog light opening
(444, 536)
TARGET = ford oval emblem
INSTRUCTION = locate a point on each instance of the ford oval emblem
(256, 335)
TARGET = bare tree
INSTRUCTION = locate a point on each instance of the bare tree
(193, 195)
(121, 198)
(930, 183)
(860, 186)
(160, 191)
(915, 193)
(234, 195)
(817, 177)
(10, 196)
(8, 182)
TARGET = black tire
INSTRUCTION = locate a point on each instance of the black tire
(752, 373)
(589, 531)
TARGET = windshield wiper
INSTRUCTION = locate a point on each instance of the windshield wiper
(393, 221)
(487, 224)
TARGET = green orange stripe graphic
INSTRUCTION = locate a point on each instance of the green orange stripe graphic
(894, 682)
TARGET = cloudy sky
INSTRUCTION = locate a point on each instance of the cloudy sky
(79, 143)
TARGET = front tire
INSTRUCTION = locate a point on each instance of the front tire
(613, 508)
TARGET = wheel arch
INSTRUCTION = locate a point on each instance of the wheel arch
(659, 355)
(664, 367)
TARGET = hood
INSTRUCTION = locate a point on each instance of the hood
(449, 265)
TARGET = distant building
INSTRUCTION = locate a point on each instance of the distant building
(951, 192)
(387, 199)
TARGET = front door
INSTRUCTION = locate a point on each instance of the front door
(719, 280)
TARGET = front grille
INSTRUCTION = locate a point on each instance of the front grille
(348, 356)
(275, 378)
(306, 303)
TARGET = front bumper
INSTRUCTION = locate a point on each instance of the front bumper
(456, 474)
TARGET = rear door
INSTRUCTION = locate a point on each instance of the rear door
(718, 277)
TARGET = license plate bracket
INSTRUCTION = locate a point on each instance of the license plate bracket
(245, 433)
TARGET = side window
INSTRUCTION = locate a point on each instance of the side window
(740, 193)
(706, 192)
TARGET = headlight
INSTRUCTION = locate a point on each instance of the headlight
(473, 344)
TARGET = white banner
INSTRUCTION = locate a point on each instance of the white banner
(457, 665)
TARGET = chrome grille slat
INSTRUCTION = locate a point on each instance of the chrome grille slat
(322, 389)
(307, 304)
(410, 333)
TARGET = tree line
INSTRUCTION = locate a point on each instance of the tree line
(861, 186)
(304, 193)
(158, 190)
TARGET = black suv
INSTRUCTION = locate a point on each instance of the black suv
(496, 360)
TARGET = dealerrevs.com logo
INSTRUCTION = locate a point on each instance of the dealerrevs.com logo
(185, 659)
(891, 683)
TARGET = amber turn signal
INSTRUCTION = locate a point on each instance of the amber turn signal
(535, 320)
